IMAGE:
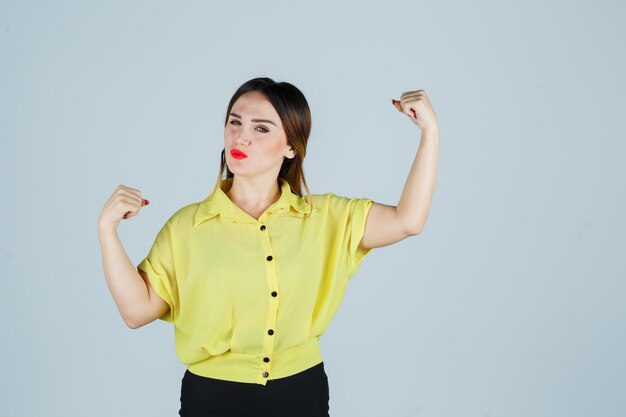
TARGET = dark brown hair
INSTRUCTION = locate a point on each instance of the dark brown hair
(295, 116)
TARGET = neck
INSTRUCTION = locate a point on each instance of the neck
(255, 193)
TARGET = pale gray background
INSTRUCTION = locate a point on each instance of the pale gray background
(511, 301)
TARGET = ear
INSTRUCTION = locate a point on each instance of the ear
(291, 154)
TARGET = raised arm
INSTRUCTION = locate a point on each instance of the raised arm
(390, 224)
(135, 299)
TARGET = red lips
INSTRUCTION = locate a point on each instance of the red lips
(237, 154)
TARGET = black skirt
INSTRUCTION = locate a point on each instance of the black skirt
(304, 394)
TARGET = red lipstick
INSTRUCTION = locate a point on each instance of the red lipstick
(237, 154)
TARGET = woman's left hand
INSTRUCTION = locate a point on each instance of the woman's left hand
(416, 105)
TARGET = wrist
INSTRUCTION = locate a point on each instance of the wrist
(431, 131)
(106, 229)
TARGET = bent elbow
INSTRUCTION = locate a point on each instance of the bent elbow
(414, 231)
(132, 324)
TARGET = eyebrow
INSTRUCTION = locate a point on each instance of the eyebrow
(254, 120)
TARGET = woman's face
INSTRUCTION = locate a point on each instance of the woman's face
(254, 128)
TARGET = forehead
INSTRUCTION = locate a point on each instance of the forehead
(255, 105)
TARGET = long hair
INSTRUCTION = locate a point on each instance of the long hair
(295, 116)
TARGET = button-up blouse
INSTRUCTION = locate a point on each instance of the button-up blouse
(249, 299)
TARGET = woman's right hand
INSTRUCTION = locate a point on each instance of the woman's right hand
(124, 203)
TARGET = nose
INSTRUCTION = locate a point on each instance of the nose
(241, 140)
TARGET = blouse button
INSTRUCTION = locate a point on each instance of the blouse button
(269, 258)
(266, 374)
(274, 293)
(266, 359)
(270, 332)
(262, 227)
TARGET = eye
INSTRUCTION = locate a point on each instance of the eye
(260, 127)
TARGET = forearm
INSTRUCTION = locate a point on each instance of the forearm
(419, 188)
(127, 287)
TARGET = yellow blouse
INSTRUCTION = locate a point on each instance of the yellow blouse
(249, 299)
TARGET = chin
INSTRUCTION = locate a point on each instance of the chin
(236, 170)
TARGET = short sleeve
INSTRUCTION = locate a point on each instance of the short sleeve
(351, 215)
(159, 266)
(359, 210)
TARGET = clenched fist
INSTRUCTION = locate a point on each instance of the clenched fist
(124, 203)
(416, 105)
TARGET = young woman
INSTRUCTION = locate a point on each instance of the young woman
(252, 275)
